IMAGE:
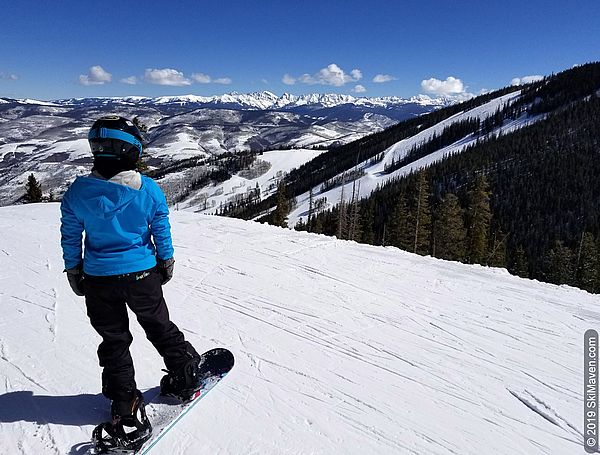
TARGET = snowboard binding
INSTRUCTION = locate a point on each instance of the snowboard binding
(125, 434)
(186, 383)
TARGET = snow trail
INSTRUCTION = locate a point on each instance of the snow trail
(340, 348)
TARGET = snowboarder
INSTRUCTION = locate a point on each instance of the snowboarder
(128, 256)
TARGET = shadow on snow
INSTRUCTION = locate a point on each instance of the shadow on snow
(76, 410)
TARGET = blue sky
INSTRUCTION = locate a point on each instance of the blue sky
(67, 48)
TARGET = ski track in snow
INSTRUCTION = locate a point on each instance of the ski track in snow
(340, 347)
(545, 411)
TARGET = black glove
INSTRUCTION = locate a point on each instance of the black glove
(165, 268)
(75, 277)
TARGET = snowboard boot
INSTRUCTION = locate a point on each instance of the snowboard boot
(129, 428)
(185, 382)
(130, 413)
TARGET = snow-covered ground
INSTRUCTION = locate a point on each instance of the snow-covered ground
(341, 348)
(280, 162)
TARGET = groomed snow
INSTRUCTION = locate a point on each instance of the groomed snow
(341, 348)
(281, 162)
(374, 174)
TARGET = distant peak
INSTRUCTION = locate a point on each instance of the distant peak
(268, 100)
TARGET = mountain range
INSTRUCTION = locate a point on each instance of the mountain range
(48, 138)
(266, 100)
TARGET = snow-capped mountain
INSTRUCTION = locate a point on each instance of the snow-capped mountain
(266, 100)
(48, 138)
(340, 348)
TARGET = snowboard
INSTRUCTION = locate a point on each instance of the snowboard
(164, 411)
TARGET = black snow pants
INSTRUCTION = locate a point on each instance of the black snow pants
(106, 298)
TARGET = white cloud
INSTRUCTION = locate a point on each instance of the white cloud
(166, 76)
(8, 76)
(131, 80)
(330, 75)
(356, 74)
(307, 79)
(222, 80)
(526, 79)
(201, 78)
(450, 87)
(206, 79)
(359, 89)
(288, 80)
(96, 76)
(381, 78)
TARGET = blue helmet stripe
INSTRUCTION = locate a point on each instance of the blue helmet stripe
(107, 133)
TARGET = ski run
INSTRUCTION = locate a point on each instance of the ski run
(340, 348)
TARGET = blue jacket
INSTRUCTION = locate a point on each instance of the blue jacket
(125, 229)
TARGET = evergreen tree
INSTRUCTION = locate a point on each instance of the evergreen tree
(367, 221)
(311, 208)
(33, 189)
(498, 249)
(342, 215)
(560, 264)
(450, 232)
(588, 264)
(354, 226)
(479, 216)
(283, 207)
(398, 231)
(422, 217)
(520, 266)
(318, 226)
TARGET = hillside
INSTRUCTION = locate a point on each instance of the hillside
(261, 177)
(341, 348)
(370, 171)
(531, 155)
(414, 144)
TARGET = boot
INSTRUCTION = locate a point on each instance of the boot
(184, 382)
(129, 428)
(130, 413)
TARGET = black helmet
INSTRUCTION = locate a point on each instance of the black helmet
(115, 137)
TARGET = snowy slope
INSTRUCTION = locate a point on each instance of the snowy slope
(341, 348)
(374, 174)
(280, 162)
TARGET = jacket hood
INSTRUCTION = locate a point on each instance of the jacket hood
(104, 198)
(131, 179)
